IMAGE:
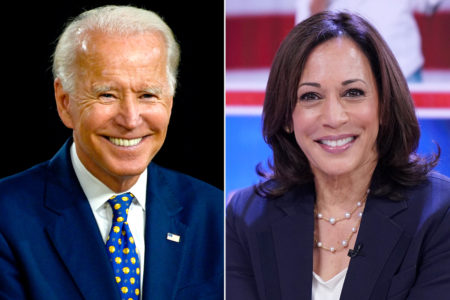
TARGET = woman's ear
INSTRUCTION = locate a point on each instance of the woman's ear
(288, 129)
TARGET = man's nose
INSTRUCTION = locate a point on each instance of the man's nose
(129, 115)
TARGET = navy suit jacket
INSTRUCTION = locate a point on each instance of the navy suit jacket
(405, 252)
(51, 247)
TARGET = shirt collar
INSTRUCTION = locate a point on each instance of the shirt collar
(96, 191)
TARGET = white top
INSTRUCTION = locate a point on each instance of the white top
(98, 195)
(393, 19)
(328, 290)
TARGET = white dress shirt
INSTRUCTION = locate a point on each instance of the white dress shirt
(330, 289)
(98, 195)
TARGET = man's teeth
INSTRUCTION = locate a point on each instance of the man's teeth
(124, 142)
(337, 143)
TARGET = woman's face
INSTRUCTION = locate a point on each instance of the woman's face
(335, 120)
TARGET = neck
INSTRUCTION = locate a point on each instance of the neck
(121, 185)
(336, 193)
(118, 184)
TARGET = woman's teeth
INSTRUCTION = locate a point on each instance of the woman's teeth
(337, 143)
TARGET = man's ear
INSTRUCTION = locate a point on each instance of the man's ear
(171, 103)
(62, 104)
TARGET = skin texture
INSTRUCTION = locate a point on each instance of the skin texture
(337, 100)
(121, 91)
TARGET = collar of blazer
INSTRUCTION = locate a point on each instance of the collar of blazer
(74, 232)
(62, 177)
(382, 242)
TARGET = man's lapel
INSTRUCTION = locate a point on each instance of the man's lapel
(290, 246)
(165, 236)
(74, 231)
(382, 246)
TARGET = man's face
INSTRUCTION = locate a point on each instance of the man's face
(121, 106)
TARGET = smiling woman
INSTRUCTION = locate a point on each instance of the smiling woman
(347, 207)
(367, 71)
(337, 111)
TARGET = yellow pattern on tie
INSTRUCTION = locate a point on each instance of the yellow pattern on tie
(122, 250)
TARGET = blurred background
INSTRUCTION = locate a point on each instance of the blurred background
(418, 32)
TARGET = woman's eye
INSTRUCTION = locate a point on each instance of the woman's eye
(354, 93)
(309, 96)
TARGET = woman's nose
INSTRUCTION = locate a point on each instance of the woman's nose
(334, 113)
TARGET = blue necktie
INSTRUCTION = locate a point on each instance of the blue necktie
(122, 250)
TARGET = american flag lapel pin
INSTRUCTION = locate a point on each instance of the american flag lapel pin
(173, 237)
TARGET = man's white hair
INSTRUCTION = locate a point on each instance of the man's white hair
(120, 20)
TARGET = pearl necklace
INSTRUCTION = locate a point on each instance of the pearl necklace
(344, 243)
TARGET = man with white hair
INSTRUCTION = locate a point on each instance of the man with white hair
(100, 220)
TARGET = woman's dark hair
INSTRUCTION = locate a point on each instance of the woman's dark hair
(398, 137)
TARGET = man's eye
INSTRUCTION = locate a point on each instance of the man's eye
(107, 95)
(148, 95)
(354, 93)
(309, 96)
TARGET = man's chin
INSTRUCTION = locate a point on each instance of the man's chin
(128, 171)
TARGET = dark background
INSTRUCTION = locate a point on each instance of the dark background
(32, 131)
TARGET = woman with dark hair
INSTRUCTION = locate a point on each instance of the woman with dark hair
(349, 210)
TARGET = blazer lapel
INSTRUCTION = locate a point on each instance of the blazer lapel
(163, 253)
(74, 231)
(381, 245)
(292, 247)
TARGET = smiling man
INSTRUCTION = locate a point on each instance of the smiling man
(100, 220)
(121, 104)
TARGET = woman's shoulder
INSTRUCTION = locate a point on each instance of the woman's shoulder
(428, 204)
(248, 210)
(254, 195)
(245, 198)
(436, 189)
(439, 180)
(439, 191)
(252, 200)
(433, 193)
